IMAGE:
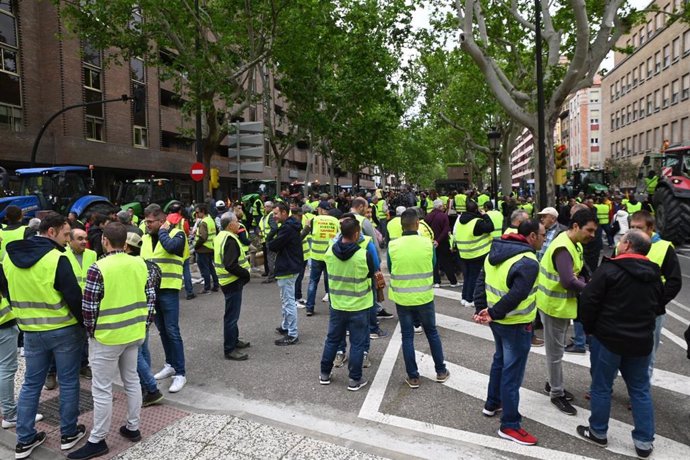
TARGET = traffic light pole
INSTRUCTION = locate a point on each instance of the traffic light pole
(541, 134)
(34, 149)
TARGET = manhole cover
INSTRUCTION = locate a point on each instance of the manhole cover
(50, 408)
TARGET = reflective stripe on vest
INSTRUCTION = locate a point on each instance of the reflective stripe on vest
(6, 313)
(471, 246)
(394, 228)
(7, 236)
(496, 279)
(481, 199)
(88, 258)
(349, 287)
(323, 230)
(602, 213)
(552, 298)
(170, 264)
(211, 228)
(36, 304)
(460, 202)
(122, 312)
(225, 277)
(425, 231)
(497, 219)
(657, 254)
(412, 277)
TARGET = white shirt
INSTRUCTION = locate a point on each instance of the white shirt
(622, 218)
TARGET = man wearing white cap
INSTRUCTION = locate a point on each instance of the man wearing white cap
(549, 217)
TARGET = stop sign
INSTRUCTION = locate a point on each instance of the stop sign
(197, 172)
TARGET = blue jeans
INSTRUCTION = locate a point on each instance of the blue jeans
(65, 346)
(470, 273)
(300, 278)
(205, 262)
(148, 382)
(373, 322)
(187, 277)
(288, 304)
(580, 339)
(317, 267)
(426, 315)
(168, 324)
(513, 343)
(657, 338)
(231, 333)
(635, 372)
(338, 323)
(8, 368)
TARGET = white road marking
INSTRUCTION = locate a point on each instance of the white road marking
(680, 305)
(537, 407)
(678, 317)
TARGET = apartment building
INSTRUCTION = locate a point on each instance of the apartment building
(41, 74)
(522, 162)
(580, 128)
(646, 96)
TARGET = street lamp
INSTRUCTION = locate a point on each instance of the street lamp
(494, 136)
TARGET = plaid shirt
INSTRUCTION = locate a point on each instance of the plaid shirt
(93, 294)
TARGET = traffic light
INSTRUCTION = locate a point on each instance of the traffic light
(214, 182)
(560, 177)
(561, 158)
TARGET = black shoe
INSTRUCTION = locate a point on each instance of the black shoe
(573, 349)
(563, 405)
(585, 432)
(287, 340)
(215, 288)
(236, 355)
(86, 372)
(90, 450)
(310, 313)
(206, 292)
(568, 395)
(191, 296)
(132, 435)
(24, 450)
(490, 411)
(643, 453)
(383, 314)
(281, 331)
(268, 281)
(242, 344)
(264, 275)
(67, 442)
(151, 399)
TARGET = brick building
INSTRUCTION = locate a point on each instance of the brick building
(580, 128)
(646, 95)
(41, 74)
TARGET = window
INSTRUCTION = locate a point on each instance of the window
(642, 36)
(676, 49)
(686, 42)
(618, 89)
(628, 82)
(634, 111)
(641, 106)
(594, 96)
(650, 140)
(685, 88)
(650, 30)
(659, 21)
(627, 115)
(657, 62)
(138, 70)
(94, 128)
(594, 121)
(667, 56)
(650, 67)
(634, 143)
(685, 125)
(613, 122)
(641, 72)
(594, 141)
(675, 91)
(140, 136)
(634, 40)
(93, 91)
(675, 133)
(139, 109)
(635, 75)
(10, 81)
(657, 100)
(650, 104)
(666, 96)
(611, 90)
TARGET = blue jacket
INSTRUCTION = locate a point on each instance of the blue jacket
(288, 244)
(521, 276)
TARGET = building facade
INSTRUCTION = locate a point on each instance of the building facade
(521, 161)
(581, 128)
(41, 74)
(646, 96)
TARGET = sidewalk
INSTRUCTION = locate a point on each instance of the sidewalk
(172, 433)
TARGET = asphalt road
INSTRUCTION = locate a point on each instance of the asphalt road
(434, 421)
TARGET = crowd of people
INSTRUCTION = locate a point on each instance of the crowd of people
(78, 297)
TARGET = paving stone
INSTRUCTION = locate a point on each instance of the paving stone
(163, 448)
(312, 449)
(268, 443)
(198, 427)
(234, 432)
(212, 452)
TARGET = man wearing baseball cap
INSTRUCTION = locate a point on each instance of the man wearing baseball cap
(549, 217)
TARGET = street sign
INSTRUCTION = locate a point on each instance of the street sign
(197, 172)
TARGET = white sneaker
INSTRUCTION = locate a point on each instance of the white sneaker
(454, 285)
(463, 302)
(21, 351)
(418, 330)
(302, 303)
(325, 298)
(178, 383)
(470, 305)
(436, 285)
(13, 423)
(164, 373)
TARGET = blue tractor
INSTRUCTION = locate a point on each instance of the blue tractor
(59, 188)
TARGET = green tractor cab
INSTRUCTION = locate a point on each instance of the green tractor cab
(139, 193)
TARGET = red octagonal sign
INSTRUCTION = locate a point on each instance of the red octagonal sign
(197, 172)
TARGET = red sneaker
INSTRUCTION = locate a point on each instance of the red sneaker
(520, 436)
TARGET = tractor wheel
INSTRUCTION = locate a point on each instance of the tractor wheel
(672, 216)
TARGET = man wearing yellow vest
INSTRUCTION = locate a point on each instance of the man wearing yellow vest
(203, 245)
(506, 301)
(460, 201)
(232, 266)
(322, 229)
(381, 214)
(243, 233)
(165, 246)
(118, 306)
(603, 215)
(516, 218)
(351, 268)
(300, 213)
(411, 263)
(46, 300)
(496, 218)
(394, 226)
(14, 230)
(472, 234)
(267, 229)
(559, 285)
(178, 221)
(663, 254)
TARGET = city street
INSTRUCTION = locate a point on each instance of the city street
(436, 420)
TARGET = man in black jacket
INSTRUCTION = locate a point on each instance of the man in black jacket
(619, 308)
(288, 245)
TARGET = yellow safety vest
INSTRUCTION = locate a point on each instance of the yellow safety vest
(349, 284)
(170, 264)
(394, 228)
(651, 184)
(483, 198)
(211, 228)
(633, 208)
(306, 241)
(602, 213)
(444, 200)
(552, 298)
(36, 304)
(497, 219)
(261, 210)
(496, 280)
(460, 202)
(412, 277)
(123, 310)
(264, 227)
(425, 231)
(380, 213)
(88, 258)
(323, 229)
(180, 226)
(7, 236)
(471, 246)
(5, 311)
(135, 219)
(225, 277)
(510, 230)
(528, 208)
(657, 254)
(245, 247)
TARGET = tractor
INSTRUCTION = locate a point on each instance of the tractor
(671, 200)
(59, 188)
(139, 193)
(589, 181)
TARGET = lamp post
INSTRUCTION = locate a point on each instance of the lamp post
(494, 136)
